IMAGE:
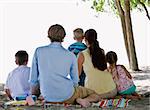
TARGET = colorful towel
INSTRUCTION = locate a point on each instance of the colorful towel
(106, 103)
(16, 103)
(112, 103)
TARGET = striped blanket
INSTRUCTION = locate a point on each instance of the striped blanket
(105, 103)
(121, 102)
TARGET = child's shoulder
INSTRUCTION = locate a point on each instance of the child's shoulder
(78, 45)
(73, 44)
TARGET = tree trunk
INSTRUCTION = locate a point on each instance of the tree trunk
(122, 18)
(130, 38)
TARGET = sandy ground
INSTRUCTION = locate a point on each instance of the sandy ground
(141, 80)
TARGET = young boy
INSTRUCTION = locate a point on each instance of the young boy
(17, 81)
(77, 47)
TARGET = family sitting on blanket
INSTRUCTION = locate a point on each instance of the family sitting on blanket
(56, 71)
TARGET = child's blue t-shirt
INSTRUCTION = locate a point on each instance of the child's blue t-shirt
(77, 47)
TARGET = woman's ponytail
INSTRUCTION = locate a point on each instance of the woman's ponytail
(97, 54)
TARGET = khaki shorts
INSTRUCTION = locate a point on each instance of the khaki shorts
(110, 94)
(79, 92)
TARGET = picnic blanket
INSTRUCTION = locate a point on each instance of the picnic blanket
(108, 103)
(105, 103)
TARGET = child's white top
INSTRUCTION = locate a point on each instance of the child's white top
(17, 81)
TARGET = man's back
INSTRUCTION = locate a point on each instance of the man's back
(54, 64)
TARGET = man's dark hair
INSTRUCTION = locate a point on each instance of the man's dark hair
(56, 33)
(22, 57)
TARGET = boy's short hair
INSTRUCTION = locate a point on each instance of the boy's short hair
(56, 33)
(78, 33)
(22, 57)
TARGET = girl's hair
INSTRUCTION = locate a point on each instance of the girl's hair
(111, 57)
(97, 54)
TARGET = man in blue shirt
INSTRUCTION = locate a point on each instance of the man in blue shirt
(51, 66)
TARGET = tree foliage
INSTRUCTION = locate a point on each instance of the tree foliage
(122, 8)
(100, 5)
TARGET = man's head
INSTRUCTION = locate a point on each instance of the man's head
(21, 57)
(56, 33)
(78, 34)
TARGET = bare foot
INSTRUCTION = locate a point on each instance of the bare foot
(40, 98)
(83, 102)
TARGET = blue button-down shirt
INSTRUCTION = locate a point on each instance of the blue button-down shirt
(51, 66)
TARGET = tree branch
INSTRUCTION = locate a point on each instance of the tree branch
(147, 14)
(119, 7)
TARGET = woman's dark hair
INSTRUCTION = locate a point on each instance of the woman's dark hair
(97, 54)
(111, 57)
(22, 57)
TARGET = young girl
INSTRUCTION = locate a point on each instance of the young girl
(121, 76)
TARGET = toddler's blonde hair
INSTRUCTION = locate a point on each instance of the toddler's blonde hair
(78, 33)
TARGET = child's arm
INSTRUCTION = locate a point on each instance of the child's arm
(8, 94)
(7, 86)
(127, 72)
(113, 73)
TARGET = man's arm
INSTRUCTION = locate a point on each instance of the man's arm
(35, 90)
(74, 71)
(34, 73)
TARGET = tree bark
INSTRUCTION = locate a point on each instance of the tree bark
(130, 38)
(122, 18)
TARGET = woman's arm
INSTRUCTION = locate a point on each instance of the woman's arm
(80, 62)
